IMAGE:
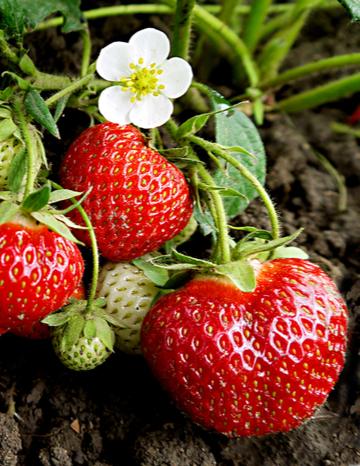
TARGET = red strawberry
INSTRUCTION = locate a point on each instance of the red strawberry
(39, 331)
(250, 363)
(39, 272)
(138, 199)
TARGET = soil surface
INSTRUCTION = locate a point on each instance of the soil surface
(118, 414)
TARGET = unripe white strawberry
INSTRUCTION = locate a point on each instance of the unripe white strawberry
(128, 294)
(8, 148)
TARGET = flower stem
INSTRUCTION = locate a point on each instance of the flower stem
(86, 54)
(74, 86)
(258, 13)
(217, 210)
(182, 28)
(315, 67)
(94, 250)
(49, 82)
(214, 148)
(30, 149)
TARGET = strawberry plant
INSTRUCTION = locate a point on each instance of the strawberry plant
(246, 334)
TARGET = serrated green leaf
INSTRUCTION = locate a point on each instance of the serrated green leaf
(285, 252)
(157, 275)
(192, 125)
(7, 128)
(37, 108)
(73, 331)
(17, 171)
(55, 225)
(352, 7)
(89, 329)
(62, 195)
(241, 273)
(7, 211)
(104, 333)
(235, 129)
(56, 319)
(37, 200)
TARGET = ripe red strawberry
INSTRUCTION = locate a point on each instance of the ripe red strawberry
(37, 330)
(138, 199)
(250, 363)
(39, 272)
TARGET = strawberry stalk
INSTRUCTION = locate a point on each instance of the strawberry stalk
(86, 52)
(182, 28)
(224, 154)
(94, 251)
(30, 149)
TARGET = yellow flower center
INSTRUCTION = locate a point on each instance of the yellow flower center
(142, 81)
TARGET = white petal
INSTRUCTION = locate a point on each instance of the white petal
(177, 76)
(151, 111)
(113, 62)
(115, 105)
(150, 44)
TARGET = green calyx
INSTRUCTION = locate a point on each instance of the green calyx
(82, 339)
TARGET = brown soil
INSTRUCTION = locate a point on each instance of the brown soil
(118, 414)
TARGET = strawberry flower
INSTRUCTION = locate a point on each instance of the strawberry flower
(144, 79)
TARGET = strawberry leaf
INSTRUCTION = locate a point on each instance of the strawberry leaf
(241, 273)
(17, 171)
(352, 7)
(37, 200)
(235, 129)
(157, 275)
(37, 108)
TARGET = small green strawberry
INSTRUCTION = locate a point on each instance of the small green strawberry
(85, 354)
(128, 295)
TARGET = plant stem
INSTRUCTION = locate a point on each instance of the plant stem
(182, 28)
(74, 86)
(94, 250)
(258, 13)
(86, 54)
(30, 149)
(119, 10)
(321, 95)
(217, 210)
(228, 12)
(49, 82)
(315, 67)
(212, 147)
(216, 30)
(6, 51)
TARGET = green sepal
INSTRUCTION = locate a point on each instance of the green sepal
(62, 194)
(7, 128)
(60, 107)
(257, 246)
(72, 331)
(22, 83)
(177, 280)
(27, 66)
(17, 171)
(89, 329)
(8, 210)
(104, 333)
(289, 252)
(183, 258)
(37, 200)
(56, 319)
(177, 153)
(224, 191)
(55, 225)
(68, 222)
(159, 276)
(37, 108)
(192, 125)
(241, 273)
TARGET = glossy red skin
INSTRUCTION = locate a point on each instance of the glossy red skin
(250, 363)
(39, 271)
(39, 331)
(138, 199)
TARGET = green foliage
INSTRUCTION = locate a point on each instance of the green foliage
(353, 8)
(235, 129)
(37, 108)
